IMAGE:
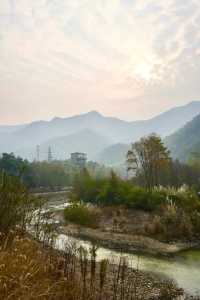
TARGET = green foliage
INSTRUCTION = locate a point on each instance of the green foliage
(81, 215)
(15, 203)
(148, 157)
(185, 141)
(139, 198)
(114, 191)
(195, 219)
(34, 174)
(49, 175)
(14, 166)
(184, 198)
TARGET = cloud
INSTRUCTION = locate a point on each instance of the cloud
(79, 55)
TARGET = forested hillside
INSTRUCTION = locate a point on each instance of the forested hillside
(185, 143)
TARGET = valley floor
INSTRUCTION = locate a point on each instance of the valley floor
(127, 230)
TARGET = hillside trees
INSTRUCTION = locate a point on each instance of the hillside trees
(14, 166)
(148, 156)
(36, 174)
(16, 205)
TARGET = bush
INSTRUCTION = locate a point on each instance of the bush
(195, 219)
(183, 197)
(81, 215)
(173, 223)
(16, 204)
(139, 198)
(115, 191)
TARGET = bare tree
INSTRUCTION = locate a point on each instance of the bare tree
(148, 157)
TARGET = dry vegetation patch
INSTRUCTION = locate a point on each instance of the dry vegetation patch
(28, 271)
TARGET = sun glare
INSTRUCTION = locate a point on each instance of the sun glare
(144, 70)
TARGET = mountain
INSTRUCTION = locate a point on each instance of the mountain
(185, 141)
(10, 128)
(173, 119)
(23, 140)
(113, 155)
(85, 141)
(112, 128)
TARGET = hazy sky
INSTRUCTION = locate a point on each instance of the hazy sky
(126, 58)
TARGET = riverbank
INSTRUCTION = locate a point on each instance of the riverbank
(126, 242)
(182, 268)
(120, 229)
(73, 274)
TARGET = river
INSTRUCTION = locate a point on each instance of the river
(183, 268)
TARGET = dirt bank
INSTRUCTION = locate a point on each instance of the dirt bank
(125, 242)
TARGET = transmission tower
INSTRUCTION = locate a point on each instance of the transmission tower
(49, 154)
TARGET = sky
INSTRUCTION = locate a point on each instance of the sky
(126, 58)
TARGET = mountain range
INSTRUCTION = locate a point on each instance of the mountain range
(105, 139)
(186, 141)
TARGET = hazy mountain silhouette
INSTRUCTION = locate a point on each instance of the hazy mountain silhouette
(173, 119)
(11, 128)
(186, 140)
(84, 141)
(112, 130)
(113, 155)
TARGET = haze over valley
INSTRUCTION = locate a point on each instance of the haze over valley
(99, 150)
(91, 133)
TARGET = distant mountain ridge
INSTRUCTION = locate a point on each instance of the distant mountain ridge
(61, 133)
(11, 128)
(185, 141)
(113, 155)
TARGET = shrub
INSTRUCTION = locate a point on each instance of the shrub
(175, 223)
(81, 215)
(139, 198)
(16, 204)
(184, 198)
(195, 219)
(115, 191)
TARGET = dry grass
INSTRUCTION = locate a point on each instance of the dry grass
(28, 271)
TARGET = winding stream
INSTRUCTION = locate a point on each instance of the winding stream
(183, 268)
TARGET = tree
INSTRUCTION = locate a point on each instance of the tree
(14, 166)
(16, 205)
(148, 157)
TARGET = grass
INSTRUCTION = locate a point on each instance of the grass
(30, 272)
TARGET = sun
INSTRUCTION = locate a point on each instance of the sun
(144, 71)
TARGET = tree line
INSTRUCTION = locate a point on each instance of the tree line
(49, 175)
(150, 165)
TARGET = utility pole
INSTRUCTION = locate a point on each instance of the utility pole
(49, 154)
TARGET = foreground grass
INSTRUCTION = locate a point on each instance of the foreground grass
(28, 271)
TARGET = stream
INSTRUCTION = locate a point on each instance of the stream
(183, 268)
